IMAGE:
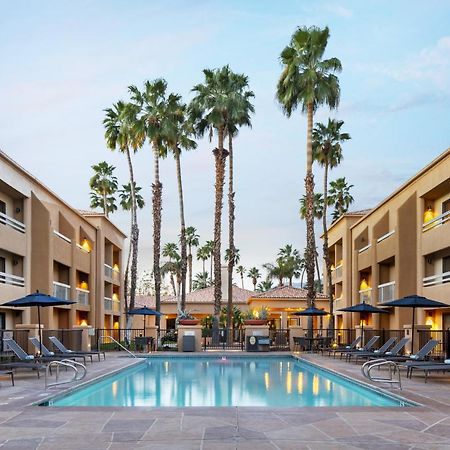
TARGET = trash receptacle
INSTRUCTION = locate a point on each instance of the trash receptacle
(251, 344)
(188, 343)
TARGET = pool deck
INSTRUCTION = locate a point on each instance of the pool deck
(24, 426)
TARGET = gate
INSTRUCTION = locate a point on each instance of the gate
(223, 339)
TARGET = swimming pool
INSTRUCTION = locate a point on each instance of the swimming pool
(225, 381)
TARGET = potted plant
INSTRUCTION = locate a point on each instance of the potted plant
(256, 317)
(186, 318)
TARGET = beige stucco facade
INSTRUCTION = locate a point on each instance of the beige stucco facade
(47, 245)
(400, 247)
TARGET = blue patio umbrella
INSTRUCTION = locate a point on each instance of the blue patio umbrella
(312, 311)
(415, 301)
(144, 311)
(40, 300)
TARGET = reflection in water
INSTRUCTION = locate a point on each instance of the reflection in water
(244, 381)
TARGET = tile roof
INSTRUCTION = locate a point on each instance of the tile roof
(286, 292)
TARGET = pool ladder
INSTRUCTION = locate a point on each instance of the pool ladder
(392, 377)
(100, 339)
(79, 371)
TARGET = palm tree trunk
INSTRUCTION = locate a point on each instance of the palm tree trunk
(318, 272)
(230, 232)
(326, 253)
(157, 205)
(242, 280)
(310, 239)
(182, 231)
(203, 263)
(254, 284)
(172, 283)
(105, 204)
(189, 261)
(220, 178)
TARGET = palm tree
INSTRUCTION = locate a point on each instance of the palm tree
(201, 281)
(174, 269)
(308, 80)
(203, 254)
(103, 186)
(265, 285)
(179, 132)
(192, 240)
(170, 250)
(292, 262)
(210, 109)
(340, 197)
(255, 275)
(327, 151)
(241, 270)
(317, 208)
(151, 125)
(209, 249)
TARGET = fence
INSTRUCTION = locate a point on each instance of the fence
(442, 350)
(125, 337)
(20, 336)
(167, 340)
(70, 338)
(223, 339)
(279, 340)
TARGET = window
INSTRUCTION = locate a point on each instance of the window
(446, 268)
(2, 268)
(446, 206)
(2, 211)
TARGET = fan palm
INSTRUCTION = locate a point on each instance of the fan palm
(209, 249)
(265, 285)
(201, 281)
(174, 269)
(327, 151)
(103, 186)
(241, 270)
(203, 254)
(170, 250)
(255, 275)
(152, 126)
(340, 197)
(309, 81)
(192, 240)
(292, 261)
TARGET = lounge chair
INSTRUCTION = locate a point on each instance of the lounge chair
(65, 351)
(428, 367)
(396, 350)
(8, 373)
(331, 350)
(48, 355)
(419, 356)
(368, 347)
(381, 351)
(26, 361)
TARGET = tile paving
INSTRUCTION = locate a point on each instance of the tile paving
(24, 426)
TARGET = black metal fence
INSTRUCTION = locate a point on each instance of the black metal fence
(167, 340)
(20, 336)
(279, 339)
(442, 350)
(70, 338)
(101, 338)
(223, 339)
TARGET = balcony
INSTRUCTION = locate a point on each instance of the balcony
(62, 236)
(435, 235)
(433, 280)
(336, 273)
(386, 292)
(365, 295)
(108, 271)
(362, 250)
(61, 290)
(83, 297)
(338, 303)
(13, 223)
(116, 276)
(108, 304)
(14, 280)
(436, 222)
(116, 306)
(385, 236)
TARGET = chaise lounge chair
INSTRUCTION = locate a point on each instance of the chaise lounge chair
(26, 361)
(48, 355)
(428, 367)
(367, 348)
(381, 351)
(352, 346)
(419, 356)
(65, 351)
(396, 350)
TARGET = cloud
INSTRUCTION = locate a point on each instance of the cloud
(339, 10)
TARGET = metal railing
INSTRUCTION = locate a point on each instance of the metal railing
(62, 236)
(365, 295)
(442, 350)
(20, 336)
(223, 339)
(437, 221)
(107, 303)
(14, 280)
(72, 339)
(386, 292)
(110, 339)
(124, 337)
(116, 276)
(393, 371)
(82, 248)
(279, 339)
(79, 371)
(385, 236)
(13, 223)
(116, 306)
(439, 278)
(108, 271)
(61, 290)
(83, 296)
(363, 249)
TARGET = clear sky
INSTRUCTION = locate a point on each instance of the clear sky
(63, 62)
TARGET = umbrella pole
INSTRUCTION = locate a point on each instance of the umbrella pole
(362, 330)
(144, 324)
(40, 330)
(412, 330)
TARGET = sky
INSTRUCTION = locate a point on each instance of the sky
(63, 62)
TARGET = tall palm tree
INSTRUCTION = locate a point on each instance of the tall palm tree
(152, 126)
(209, 249)
(241, 270)
(264, 285)
(327, 151)
(292, 262)
(178, 136)
(238, 116)
(255, 275)
(192, 240)
(103, 186)
(340, 197)
(201, 281)
(174, 269)
(170, 250)
(210, 109)
(317, 206)
(203, 254)
(309, 81)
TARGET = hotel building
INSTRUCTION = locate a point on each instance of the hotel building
(400, 247)
(47, 245)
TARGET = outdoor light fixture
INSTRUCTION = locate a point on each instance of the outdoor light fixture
(363, 286)
(428, 215)
(83, 323)
(86, 244)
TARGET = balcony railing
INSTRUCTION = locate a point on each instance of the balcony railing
(116, 276)
(364, 248)
(386, 292)
(82, 248)
(436, 222)
(108, 271)
(116, 306)
(433, 280)
(61, 290)
(108, 304)
(365, 295)
(62, 236)
(7, 278)
(385, 236)
(13, 223)
(338, 271)
(83, 296)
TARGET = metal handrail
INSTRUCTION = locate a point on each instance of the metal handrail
(68, 364)
(367, 367)
(117, 342)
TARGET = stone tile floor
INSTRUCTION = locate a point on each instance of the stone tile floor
(23, 426)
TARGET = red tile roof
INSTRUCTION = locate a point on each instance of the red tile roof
(286, 292)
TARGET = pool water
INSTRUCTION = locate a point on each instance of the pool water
(219, 381)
